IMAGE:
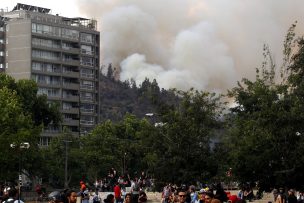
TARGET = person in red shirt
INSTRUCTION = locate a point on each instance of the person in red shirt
(83, 187)
(117, 193)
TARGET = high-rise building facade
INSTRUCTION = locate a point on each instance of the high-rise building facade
(62, 55)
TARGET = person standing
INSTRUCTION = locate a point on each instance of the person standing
(12, 196)
(142, 197)
(135, 190)
(291, 196)
(117, 193)
(128, 198)
(71, 196)
(182, 195)
(279, 196)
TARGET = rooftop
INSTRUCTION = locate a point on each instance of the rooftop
(44, 14)
(26, 7)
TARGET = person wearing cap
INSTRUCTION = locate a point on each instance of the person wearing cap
(55, 197)
(201, 196)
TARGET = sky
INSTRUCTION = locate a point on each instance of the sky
(205, 44)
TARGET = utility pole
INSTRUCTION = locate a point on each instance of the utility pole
(66, 163)
(23, 145)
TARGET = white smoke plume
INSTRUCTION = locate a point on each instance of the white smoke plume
(205, 44)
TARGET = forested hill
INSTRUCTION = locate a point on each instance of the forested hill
(118, 98)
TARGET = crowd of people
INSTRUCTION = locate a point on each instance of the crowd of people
(191, 194)
(124, 188)
(125, 181)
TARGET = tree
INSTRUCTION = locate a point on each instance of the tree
(16, 127)
(184, 142)
(263, 141)
(23, 115)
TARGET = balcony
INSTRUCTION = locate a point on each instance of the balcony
(86, 99)
(57, 61)
(2, 59)
(72, 74)
(71, 98)
(70, 122)
(87, 75)
(87, 111)
(72, 86)
(85, 122)
(47, 72)
(55, 97)
(86, 87)
(1, 34)
(70, 50)
(85, 52)
(71, 62)
(46, 47)
(2, 47)
(49, 84)
(70, 110)
(87, 64)
(46, 34)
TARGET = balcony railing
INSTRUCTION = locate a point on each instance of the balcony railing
(85, 122)
(87, 75)
(86, 87)
(86, 110)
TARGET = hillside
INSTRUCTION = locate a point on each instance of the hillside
(118, 98)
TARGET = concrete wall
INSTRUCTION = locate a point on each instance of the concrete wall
(18, 48)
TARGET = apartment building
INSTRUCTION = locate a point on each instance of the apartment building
(62, 55)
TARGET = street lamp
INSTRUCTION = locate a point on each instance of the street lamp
(23, 145)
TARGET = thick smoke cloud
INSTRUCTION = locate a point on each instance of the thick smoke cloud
(205, 44)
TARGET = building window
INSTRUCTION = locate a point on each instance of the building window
(46, 67)
(87, 120)
(87, 108)
(87, 61)
(45, 79)
(46, 54)
(88, 85)
(85, 37)
(86, 96)
(52, 92)
(45, 141)
(46, 29)
(71, 34)
(86, 49)
(87, 73)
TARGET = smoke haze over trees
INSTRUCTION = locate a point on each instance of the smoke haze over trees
(205, 44)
